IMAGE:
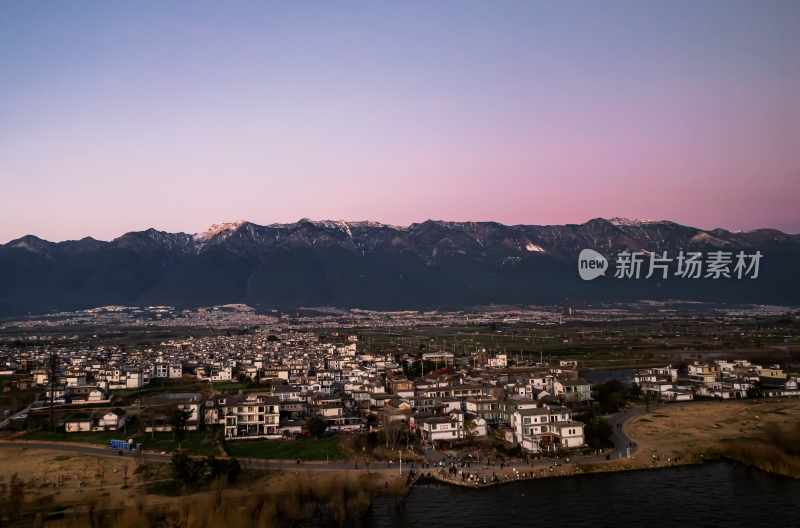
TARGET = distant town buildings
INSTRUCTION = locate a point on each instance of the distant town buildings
(271, 381)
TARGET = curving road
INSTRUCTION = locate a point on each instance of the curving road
(621, 440)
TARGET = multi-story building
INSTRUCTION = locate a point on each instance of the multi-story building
(546, 429)
(252, 416)
(441, 428)
(485, 407)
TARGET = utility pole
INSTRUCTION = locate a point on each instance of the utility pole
(52, 371)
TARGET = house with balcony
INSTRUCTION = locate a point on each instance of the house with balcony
(546, 429)
(251, 416)
(441, 428)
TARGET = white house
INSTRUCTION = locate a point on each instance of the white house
(111, 421)
(221, 374)
(253, 416)
(546, 429)
(442, 428)
(475, 427)
(570, 433)
(134, 379)
(498, 361)
(78, 424)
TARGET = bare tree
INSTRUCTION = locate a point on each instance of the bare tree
(52, 371)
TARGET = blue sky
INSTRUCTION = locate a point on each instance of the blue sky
(123, 115)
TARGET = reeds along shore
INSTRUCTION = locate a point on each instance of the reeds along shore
(287, 500)
(778, 451)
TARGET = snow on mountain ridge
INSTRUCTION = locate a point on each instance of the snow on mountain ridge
(225, 228)
(621, 221)
(534, 248)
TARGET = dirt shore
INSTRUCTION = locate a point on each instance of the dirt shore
(693, 429)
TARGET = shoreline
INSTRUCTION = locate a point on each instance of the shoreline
(435, 478)
(562, 471)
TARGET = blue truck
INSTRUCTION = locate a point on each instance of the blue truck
(124, 445)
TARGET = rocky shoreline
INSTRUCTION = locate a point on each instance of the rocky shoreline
(485, 478)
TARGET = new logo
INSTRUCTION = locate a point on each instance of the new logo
(591, 264)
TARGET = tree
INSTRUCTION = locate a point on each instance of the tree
(394, 432)
(178, 421)
(648, 398)
(185, 469)
(316, 426)
(610, 396)
(597, 431)
(372, 422)
(470, 427)
(52, 371)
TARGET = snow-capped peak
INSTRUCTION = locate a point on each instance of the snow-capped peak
(215, 230)
(534, 248)
(620, 221)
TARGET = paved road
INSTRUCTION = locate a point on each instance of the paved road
(617, 422)
(82, 449)
(5, 422)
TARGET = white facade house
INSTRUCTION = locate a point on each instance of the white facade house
(221, 374)
(442, 428)
(108, 421)
(111, 421)
(571, 434)
(546, 429)
(75, 380)
(195, 410)
(498, 361)
(475, 427)
(134, 380)
(167, 370)
(254, 416)
(78, 425)
(653, 374)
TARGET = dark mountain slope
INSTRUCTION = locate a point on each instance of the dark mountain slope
(366, 264)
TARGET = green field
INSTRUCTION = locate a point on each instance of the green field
(194, 442)
(100, 438)
(304, 449)
(183, 385)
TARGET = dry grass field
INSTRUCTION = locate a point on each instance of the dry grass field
(751, 431)
(107, 491)
(65, 478)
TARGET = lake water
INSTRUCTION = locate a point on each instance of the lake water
(601, 376)
(715, 494)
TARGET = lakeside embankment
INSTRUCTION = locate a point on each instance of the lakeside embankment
(762, 434)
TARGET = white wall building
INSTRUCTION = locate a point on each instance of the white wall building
(253, 416)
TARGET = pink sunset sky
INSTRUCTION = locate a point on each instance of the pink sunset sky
(122, 117)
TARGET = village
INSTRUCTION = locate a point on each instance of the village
(277, 384)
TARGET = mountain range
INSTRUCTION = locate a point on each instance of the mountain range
(433, 264)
